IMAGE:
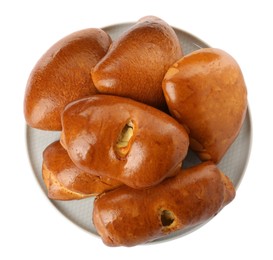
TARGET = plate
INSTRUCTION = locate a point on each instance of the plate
(80, 211)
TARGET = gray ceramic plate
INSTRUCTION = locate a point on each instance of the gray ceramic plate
(80, 212)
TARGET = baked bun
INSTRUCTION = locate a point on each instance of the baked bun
(127, 217)
(205, 91)
(123, 139)
(63, 75)
(64, 181)
(137, 61)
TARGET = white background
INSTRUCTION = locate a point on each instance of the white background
(31, 227)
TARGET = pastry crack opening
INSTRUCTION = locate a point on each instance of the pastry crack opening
(125, 139)
(167, 218)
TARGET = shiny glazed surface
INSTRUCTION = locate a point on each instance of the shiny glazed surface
(128, 217)
(62, 75)
(64, 181)
(91, 129)
(205, 91)
(137, 61)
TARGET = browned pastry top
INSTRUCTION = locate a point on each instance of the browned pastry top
(206, 92)
(63, 75)
(123, 139)
(128, 217)
(137, 61)
(65, 181)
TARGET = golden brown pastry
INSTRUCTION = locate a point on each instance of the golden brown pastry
(123, 139)
(127, 217)
(64, 181)
(137, 61)
(205, 91)
(63, 75)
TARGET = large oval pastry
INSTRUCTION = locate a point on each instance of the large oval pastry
(137, 61)
(127, 217)
(123, 139)
(205, 91)
(62, 75)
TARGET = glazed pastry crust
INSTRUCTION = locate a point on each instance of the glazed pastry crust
(127, 217)
(205, 91)
(64, 181)
(92, 128)
(137, 61)
(63, 75)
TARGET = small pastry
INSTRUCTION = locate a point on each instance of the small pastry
(137, 61)
(64, 181)
(205, 91)
(62, 75)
